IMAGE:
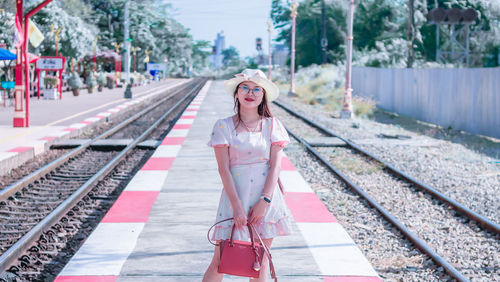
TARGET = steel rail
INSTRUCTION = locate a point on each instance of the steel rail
(24, 242)
(419, 243)
(483, 221)
(14, 187)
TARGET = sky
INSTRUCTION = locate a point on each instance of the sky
(241, 20)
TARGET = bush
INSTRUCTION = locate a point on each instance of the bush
(74, 81)
(101, 79)
(50, 82)
(91, 81)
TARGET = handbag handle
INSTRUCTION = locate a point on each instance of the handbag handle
(250, 227)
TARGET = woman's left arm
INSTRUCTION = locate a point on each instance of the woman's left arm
(258, 210)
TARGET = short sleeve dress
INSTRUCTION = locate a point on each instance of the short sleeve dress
(249, 154)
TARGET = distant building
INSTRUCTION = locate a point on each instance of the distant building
(280, 54)
(219, 46)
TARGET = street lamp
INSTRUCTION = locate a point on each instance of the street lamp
(56, 37)
(269, 58)
(95, 55)
(134, 50)
(293, 14)
(347, 107)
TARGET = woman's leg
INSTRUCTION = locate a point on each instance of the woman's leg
(265, 264)
(212, 275)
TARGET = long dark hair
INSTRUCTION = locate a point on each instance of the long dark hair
(263, 109)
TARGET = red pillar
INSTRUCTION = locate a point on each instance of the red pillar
(19, 112)
(19, 120)
(38, 83)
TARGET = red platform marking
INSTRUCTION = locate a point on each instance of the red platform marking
(188, 116)
(20, 149)
(307, 207)
(173, 141)
(182, 126)
(104, 278)
(286, 164)
(131, 206)
(158, 164)
(352, 279)
(192, 110)
(70, 129)
(48, 138)
(86, 122)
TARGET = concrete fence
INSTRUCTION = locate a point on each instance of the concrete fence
(466, 99)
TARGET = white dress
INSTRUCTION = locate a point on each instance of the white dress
(249, 154)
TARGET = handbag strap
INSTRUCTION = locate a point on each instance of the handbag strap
(268, 254)
(250, 227)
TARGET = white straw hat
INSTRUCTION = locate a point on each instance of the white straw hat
(254, 75)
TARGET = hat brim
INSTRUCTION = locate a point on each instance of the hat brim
(272, 91)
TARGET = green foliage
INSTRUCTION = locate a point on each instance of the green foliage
(231, 56)
(74, 81)
(50, 81)
(90, 80)
(101, 79)
(380, 31)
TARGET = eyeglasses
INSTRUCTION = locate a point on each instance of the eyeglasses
(257, 91)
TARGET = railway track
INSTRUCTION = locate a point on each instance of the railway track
(39, 211)
(401, 204)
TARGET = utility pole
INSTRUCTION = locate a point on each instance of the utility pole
(293, 14)
(324, 41)
(269, 56)
(126, 42)
(411, 33)
(347, 108)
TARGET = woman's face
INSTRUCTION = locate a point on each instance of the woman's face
(250, 94)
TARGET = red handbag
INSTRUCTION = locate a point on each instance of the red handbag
(243, 258)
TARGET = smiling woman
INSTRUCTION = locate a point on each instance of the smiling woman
(248, 147)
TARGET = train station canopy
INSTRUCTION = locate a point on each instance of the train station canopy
(6, 55)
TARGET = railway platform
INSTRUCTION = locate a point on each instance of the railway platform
(156, 230)
(53, 120)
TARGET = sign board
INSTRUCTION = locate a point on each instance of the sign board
(50, 63)
(157, 67)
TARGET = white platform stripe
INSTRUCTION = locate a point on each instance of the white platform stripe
(190, 113)
(104, 114)
(193, 107)
(166, 151)
(334, 251)
(147, 180)
(77, 125)
(185, 121)
(92, 119)
(105, 251)
(114, 110)
(178, 133)
(294, 182)
(60, 133)
(7, 155)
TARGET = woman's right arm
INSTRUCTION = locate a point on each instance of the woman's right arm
(222, 156)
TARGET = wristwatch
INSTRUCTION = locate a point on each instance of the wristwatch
(266, 199)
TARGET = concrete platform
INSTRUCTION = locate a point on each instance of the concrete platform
(156, 231)
(54, 120)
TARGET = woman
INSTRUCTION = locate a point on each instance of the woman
(248, 147)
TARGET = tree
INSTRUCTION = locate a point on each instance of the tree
(201, 51)
(231, 56)
(76, 39)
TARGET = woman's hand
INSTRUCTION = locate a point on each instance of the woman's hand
(240, 218)
(257, 212)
